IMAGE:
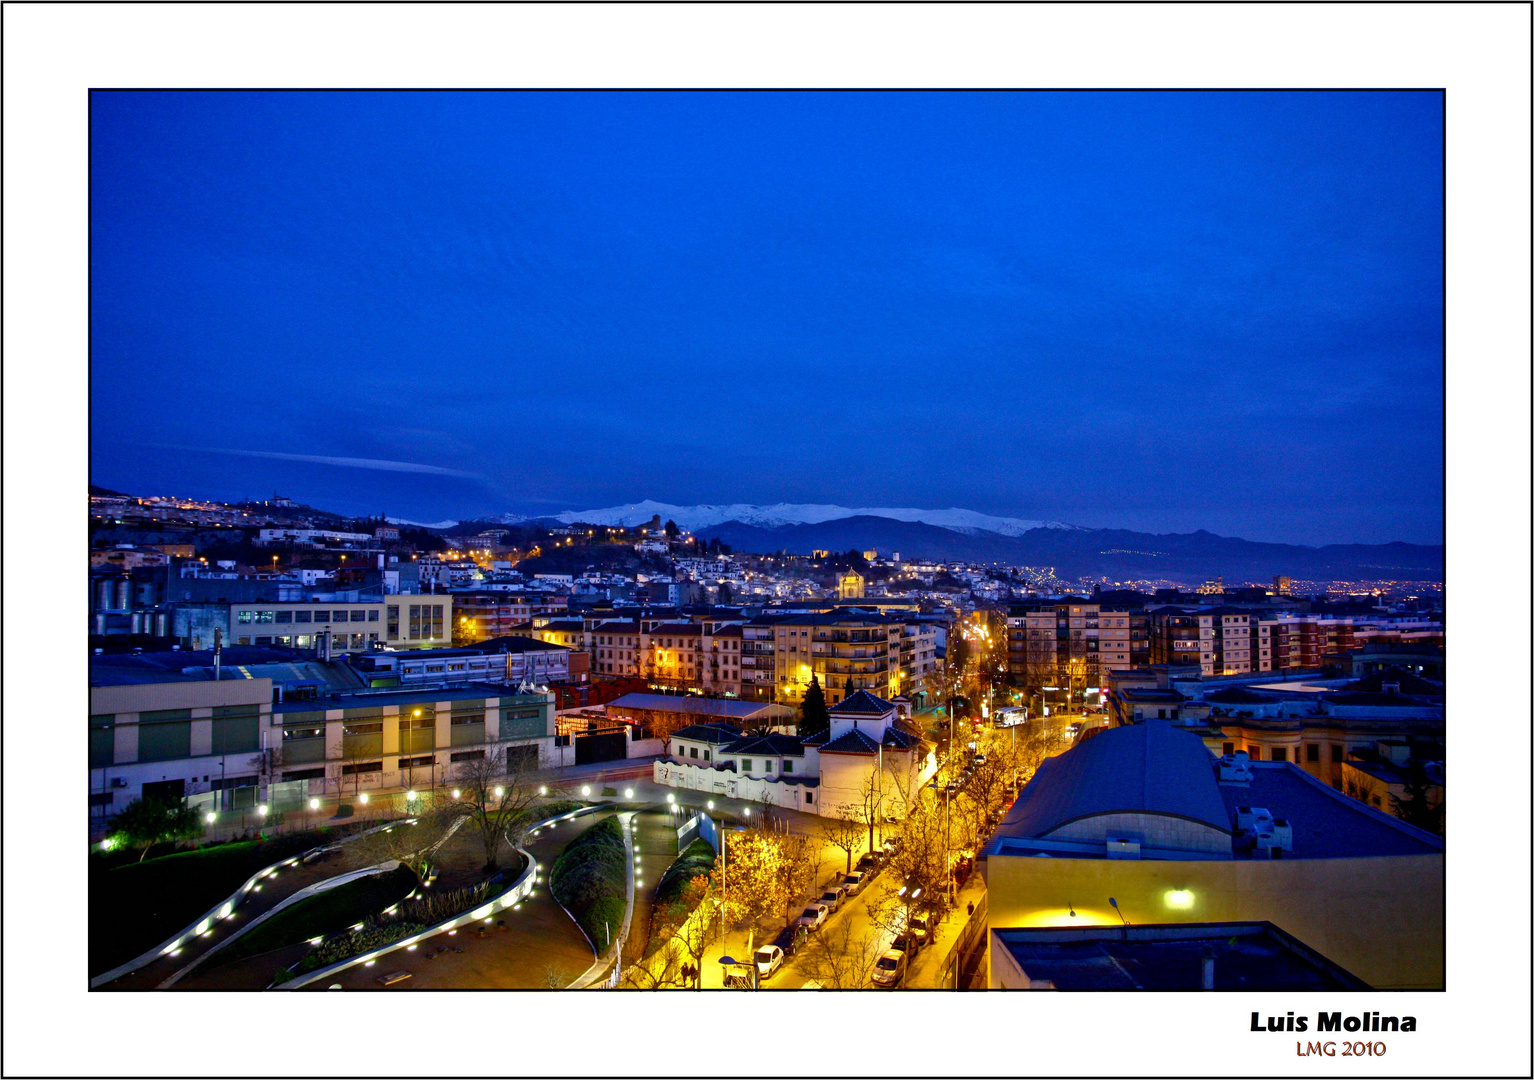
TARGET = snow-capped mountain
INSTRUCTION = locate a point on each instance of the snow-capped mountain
(421, 524)
(693, 518)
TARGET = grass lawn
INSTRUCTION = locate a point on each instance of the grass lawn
(136, 906)
(322, 914)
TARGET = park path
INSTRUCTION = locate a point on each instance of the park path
(540, 943)
(654, 851)
(273, 890)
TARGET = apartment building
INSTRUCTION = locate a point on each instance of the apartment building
(1073, 643)
(484, 615)
(1220, 639)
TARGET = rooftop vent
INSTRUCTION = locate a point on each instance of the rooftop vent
(1123, 847)
(1254, 819)
(1236, 768)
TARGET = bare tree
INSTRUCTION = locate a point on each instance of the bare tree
(844, 830)
(411, 841)
(839, 959)
(497, 798)
(555, 977)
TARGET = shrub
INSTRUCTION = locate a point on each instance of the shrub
(371, 936)
(590, 878)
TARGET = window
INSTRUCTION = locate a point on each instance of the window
(284, 616)
(302, 616)
(424, 762)
(1313, 752)
(373, 615)
(692, 751)
(1254, 752)
(244, 616)
(393, 613)
(788, 767)
(467, 755)
(1230, 748)
(767, 766)
(266, 616)
(361, 767)
(1336, 753)
(322, 615)
(358, 616)
(304, 774)
(1280, 753)
(809, 798)
(705, 755)
(362, 729)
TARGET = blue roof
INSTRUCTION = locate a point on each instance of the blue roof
(1148, 768)
(863, 703)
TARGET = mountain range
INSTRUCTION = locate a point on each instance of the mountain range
(956, 534)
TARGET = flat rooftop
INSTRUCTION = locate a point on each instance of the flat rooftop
(1246, 956)
(381, 698)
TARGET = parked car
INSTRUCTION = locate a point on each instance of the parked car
(790, 938)
(980, 759)
(768, 959)
(889, 969)
(867, 864)
(919, 929)
(832, 898)
(814, 917)
(853, 883)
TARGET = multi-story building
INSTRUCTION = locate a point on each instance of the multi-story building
(1307, 718)
(1219, 639)
(484, 615)
(403, 622)
(1073, 643)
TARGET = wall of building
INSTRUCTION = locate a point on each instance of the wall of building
(1380, 918)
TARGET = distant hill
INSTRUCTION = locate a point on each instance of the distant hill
(1119, 554)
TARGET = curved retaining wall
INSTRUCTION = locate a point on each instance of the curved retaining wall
(222, 910)
(513, 895)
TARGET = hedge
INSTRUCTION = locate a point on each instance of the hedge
(590, 878)
(697, 859)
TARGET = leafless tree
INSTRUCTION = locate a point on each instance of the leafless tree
(839, 959)
(498, 800)
(844, 830)
(410, 841)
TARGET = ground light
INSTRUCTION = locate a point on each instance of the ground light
(363, 798)
(211, 817)
(586, 789)
(263, 809)
(410, 796)
(628, 793)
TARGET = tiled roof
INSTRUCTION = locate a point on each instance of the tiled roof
(723, 707)
(709, 733)
(772, 745)
(853, 742)
(863, 703)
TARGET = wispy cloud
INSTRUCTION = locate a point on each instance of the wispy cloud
(379, 464)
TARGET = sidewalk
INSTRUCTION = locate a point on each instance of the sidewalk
(926, 970)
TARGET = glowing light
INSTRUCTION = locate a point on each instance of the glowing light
(210, 817)
(363, 798)
(586, 789)
(314, 804)
(263, 809)
(543, 790)
(410, 796)
(499, 792)
(628, 793)
(1179, 898)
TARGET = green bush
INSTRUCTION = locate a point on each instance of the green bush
(697, 860)
(590, 878)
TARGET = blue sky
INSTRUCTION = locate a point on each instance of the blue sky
(1158, 311)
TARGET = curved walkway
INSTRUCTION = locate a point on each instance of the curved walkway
(539, 946)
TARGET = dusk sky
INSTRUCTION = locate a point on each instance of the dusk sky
(1156, 311)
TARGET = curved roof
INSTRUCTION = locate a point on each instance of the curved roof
(1148, 768)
